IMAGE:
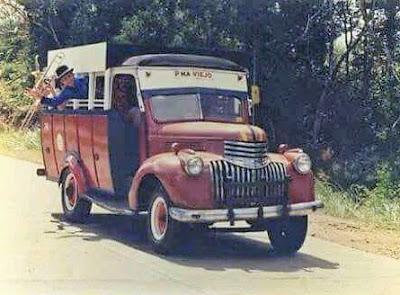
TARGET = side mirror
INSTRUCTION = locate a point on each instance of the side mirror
(255, 94)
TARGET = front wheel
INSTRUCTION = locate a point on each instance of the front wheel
(161, 228)
(75, 209)
(287, 235)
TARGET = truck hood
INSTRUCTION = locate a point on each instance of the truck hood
(214, 130)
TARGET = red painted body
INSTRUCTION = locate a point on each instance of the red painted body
(59, 141)
(73, 163)
(63, 134)
(301, 187)
(49, 159)
(85, 134)
(207, 138)
(185, 191)
(80, 141)
(101, 153)
(71, 133)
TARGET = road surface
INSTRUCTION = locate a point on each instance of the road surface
(42, 254)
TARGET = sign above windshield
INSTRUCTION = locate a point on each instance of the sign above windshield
(162, 78)
(194, 73)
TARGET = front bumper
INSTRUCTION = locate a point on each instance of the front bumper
(217, 215)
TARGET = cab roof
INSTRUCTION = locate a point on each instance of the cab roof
(182, 60)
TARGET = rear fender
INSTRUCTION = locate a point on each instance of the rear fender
(72, 162)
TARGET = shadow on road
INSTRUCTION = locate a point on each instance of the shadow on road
(211, 251)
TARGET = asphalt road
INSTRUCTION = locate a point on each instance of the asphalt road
(42, 254)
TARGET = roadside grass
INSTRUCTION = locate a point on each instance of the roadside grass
(365, 205)
(23, 144)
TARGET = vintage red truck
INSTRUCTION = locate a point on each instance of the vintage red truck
(177, 145)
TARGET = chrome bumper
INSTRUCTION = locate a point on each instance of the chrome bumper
(216, 215)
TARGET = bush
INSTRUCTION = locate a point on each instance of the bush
(14, 79)
(16, 59)
(19, 140)
(387, 184)
(374, 206)
(337, 201)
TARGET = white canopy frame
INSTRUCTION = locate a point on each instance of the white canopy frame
(88, 60)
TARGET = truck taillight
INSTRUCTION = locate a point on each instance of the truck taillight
(41, 172)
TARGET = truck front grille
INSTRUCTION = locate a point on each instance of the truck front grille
(245, 149)
(248, 154)
(237, 186)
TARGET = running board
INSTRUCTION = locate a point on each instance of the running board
(110, 202)
(249, 229)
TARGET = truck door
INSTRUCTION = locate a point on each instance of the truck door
(124, 125)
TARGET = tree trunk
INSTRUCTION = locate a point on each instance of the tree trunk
(319, 114)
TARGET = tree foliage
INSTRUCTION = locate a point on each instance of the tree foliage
(328, 70)
(15, 62)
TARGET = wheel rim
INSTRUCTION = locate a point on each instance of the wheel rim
(159, 218)
(70, 192)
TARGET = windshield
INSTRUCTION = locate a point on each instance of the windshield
(192, 107)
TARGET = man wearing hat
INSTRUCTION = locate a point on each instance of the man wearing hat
(71, 87)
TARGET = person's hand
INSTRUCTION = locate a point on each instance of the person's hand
(47, 89)
(41, 91)
(34, 92)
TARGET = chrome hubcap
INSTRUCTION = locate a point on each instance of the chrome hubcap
(70, 192)
(159, 218)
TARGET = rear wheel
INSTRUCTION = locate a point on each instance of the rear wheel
(287, 235)
(162, 230)
(75, 209)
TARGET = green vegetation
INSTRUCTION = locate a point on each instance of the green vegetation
(15, 66)
(328, 72)
(362, 204)
(20, 144)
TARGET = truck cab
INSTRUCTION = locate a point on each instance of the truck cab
(169, 136)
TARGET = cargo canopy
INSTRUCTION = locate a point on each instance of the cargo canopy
(99, 57)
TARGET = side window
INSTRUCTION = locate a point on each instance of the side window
(124, 93)
(99, 93)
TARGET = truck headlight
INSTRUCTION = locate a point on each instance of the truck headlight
(194, 166)
(302, 164)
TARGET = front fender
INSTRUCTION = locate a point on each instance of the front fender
(194, 192)
(301, 187)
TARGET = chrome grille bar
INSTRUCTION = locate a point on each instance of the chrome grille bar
(245, 143)
(246, 154)
(240, 186)
(245, 149)
(221, 179)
